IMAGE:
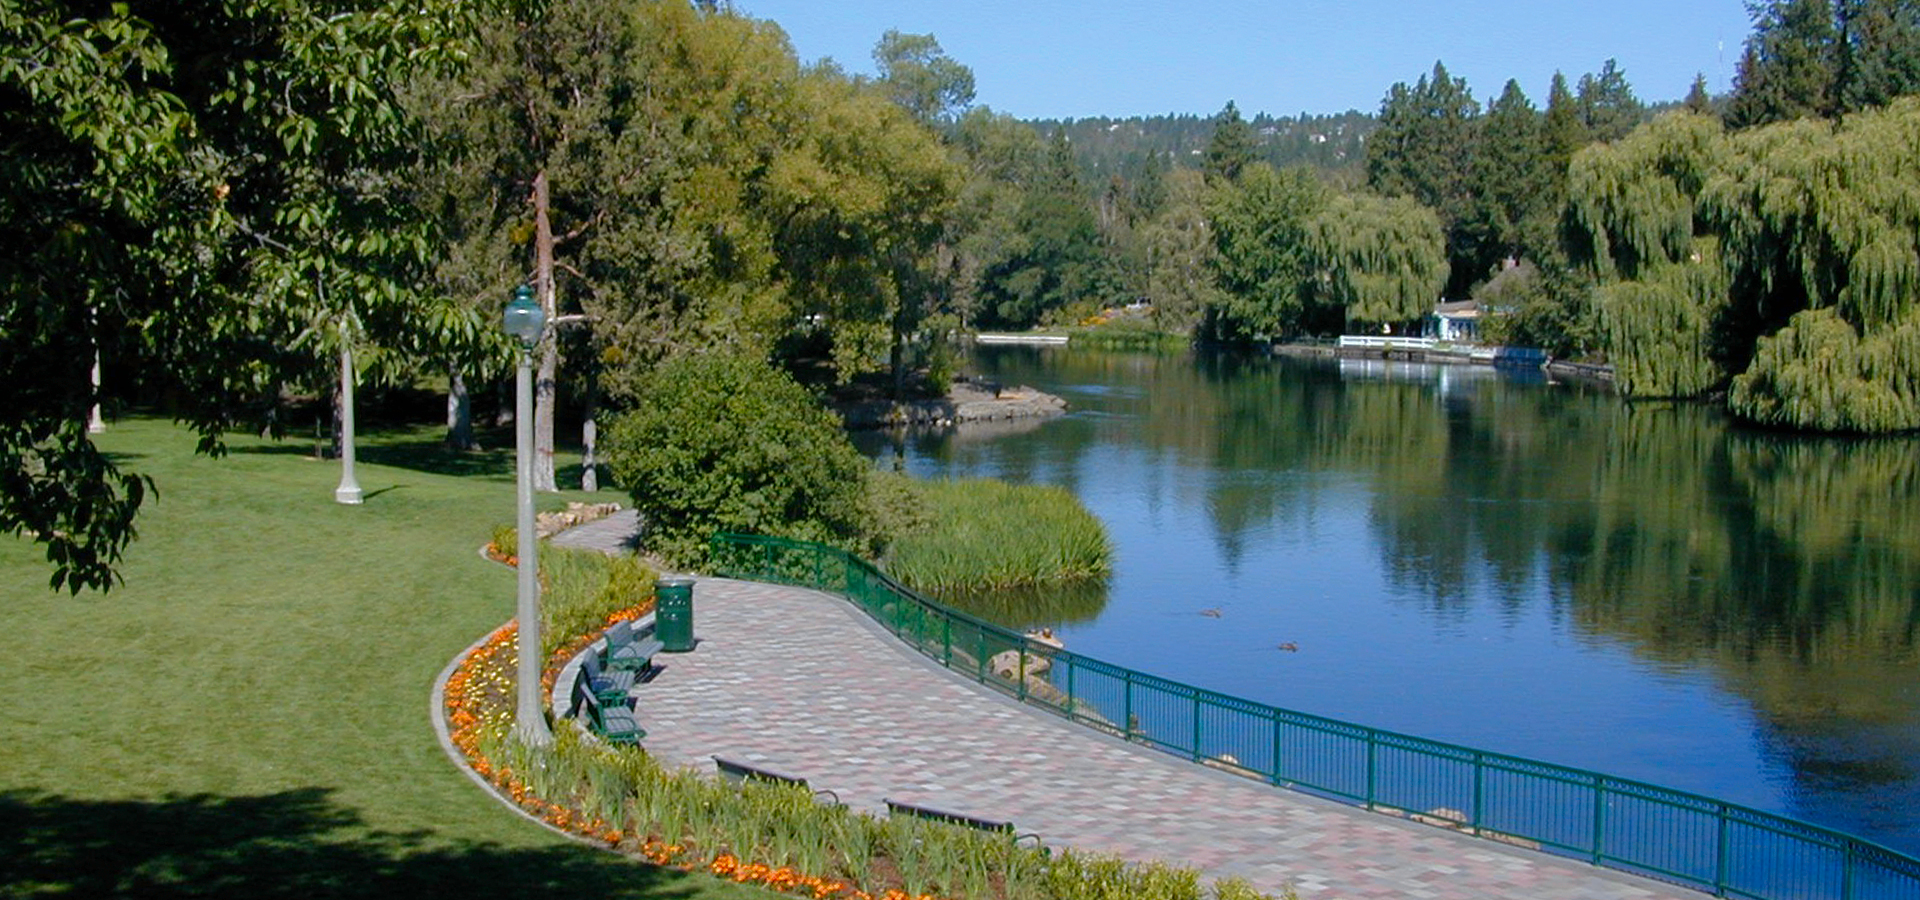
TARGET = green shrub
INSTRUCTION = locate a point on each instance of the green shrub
(896, 506)
(719, 442)
(982, 534)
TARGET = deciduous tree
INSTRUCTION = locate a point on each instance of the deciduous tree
(214, 189)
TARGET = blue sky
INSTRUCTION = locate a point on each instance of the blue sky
(1043, 59)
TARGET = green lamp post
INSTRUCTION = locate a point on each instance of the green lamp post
(526, 321)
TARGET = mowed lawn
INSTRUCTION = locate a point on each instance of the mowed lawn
(247, 716)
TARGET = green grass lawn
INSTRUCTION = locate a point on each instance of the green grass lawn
(247, 716)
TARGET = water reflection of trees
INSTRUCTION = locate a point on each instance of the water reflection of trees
(1034, 606)
(1789, 566)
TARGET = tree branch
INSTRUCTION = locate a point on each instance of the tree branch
(589, 223)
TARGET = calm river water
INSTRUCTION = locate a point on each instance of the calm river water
(1494, 560)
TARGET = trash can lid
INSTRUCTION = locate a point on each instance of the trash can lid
(673, 581)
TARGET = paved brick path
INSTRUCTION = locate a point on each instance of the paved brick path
(802, 682)
(617, 533)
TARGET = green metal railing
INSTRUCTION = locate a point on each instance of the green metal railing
(1696, 841)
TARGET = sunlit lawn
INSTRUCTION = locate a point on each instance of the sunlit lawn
(247, 716)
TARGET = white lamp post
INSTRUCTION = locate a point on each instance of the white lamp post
(525, 320)
(349, 490)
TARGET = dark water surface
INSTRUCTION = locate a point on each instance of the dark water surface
(1493, 560)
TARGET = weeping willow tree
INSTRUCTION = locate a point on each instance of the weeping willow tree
(1824, 226)
(1784, 259)
(1381, 259)
(1820, 373)
(1633, 220)
(1664, 328)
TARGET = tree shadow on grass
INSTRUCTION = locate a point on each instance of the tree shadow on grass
(425, 454)
(293, 844)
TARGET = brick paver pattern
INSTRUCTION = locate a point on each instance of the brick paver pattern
(803, 683)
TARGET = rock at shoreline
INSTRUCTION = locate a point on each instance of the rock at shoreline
(576, 514)
(966, 402)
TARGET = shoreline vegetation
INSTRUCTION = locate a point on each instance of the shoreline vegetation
(727, 443)
(982, 534)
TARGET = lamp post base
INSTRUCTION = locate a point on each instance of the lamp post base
(533, 733)
(348, 494)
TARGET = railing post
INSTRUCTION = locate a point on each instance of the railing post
(1720, 855)
(1277, 744)
(1073, 702)
(1127, 676)
(1846, 871)
(1373, 755)
(819, 552)
(946, 641)
(1599, 817)
(1479, 789)
(1197, 756)
(1020, 690)
(980, 654)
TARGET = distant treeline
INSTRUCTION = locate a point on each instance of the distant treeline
(1336, 144)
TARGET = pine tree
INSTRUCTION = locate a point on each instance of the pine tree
(1791, 66)
(1563, 133)
(1607, 105)
(1882, 46)
(1230, 149)
(1698, 101)
(1424, 149)
(1513, 178)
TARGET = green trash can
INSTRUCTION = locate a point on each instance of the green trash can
(673, 614)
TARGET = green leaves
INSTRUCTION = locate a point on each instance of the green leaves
(192, 191)
(1263, 229)
(1720, 246)
(721, 442)
(1380, 259)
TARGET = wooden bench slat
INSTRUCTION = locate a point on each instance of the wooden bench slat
(737, 772)
(895, 807)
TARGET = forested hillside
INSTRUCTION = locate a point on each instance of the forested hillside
(1335, 143)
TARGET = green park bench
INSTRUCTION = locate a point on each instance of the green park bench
(629, 652)
(736, 772)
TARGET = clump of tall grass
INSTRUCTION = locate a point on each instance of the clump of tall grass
(983, 534)
(1130, 333)
(581, 588)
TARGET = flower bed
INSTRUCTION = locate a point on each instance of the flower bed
(773, 836)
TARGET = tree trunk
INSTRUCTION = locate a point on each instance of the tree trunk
(590, 432)
(502, 404)
(459, 413)
(897, 357)
(543, 388)
(336, 440)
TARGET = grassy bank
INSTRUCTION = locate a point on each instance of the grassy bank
(247, 715)
(981, 534)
